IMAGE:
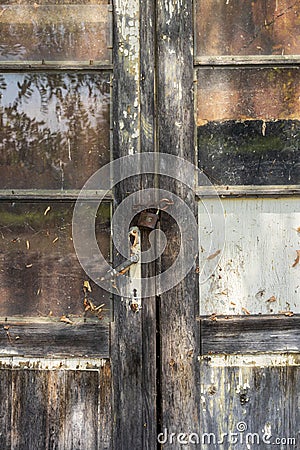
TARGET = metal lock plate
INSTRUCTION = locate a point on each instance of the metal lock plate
(147, 220)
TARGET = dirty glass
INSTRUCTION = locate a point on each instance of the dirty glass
(259, 27)
(40, 274)
(54, 129)
(249, 125)
(55, 30)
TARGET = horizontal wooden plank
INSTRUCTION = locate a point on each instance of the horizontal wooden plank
(258, 60)
(249, 191)
(251, 334)
(55, 339)
(54, 194)
(32, 66)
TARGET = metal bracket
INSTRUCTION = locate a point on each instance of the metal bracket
(132, 269)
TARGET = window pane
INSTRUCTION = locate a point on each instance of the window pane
(248, 125)
(235, 27)
(40, 274)
(54, 129)
(54, 30)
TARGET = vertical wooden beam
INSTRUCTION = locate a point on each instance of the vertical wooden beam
(133, 350)
(126, 337)
(179, 306)
(148, 144)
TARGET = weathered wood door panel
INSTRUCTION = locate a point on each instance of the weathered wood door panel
(250, 402)
(64, 404)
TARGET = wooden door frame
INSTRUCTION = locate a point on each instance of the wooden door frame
(155, 352)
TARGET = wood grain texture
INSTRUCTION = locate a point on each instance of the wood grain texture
(263, 399)
(148, 144)
(126, 336)
(250, 334)
(81, 414)
(234, 60)
(251, 191)
(53, 339)
(179, 344)
(5, 409)
(55, 409)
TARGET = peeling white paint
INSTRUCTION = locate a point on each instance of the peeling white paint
(52, 363)
(255, 274)
(252, 360)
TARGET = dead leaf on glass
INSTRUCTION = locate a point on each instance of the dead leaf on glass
(297, 258)
(92, 308)
(213, 255)
(87, 286)
(47, 210)
(245, 310)
(66, 320)
(271, 299)
(287, 313)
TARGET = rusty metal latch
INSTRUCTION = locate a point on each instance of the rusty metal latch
(124, 267)
(130, 292)
(149, 219)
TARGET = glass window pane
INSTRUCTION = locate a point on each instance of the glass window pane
(54, 129)
(40, 274)
(55, 30)
(235, 27)
(248, 125)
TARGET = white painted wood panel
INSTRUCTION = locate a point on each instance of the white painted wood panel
(255, 272)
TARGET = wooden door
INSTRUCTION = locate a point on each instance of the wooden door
(211, 362)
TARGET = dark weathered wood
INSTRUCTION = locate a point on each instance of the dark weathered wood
(29, 403)
(126, 336)
(253, 60)
(53, 339)
(105, 407)
(263, 400)
(33, 66)
(5, 408)
(55, 409)
(179, 344)
(148, 144)
(81, 418)
(54, 194)
(251, 191)
(251, 334)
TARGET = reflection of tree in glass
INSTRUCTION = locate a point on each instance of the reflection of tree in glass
(54, 129)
